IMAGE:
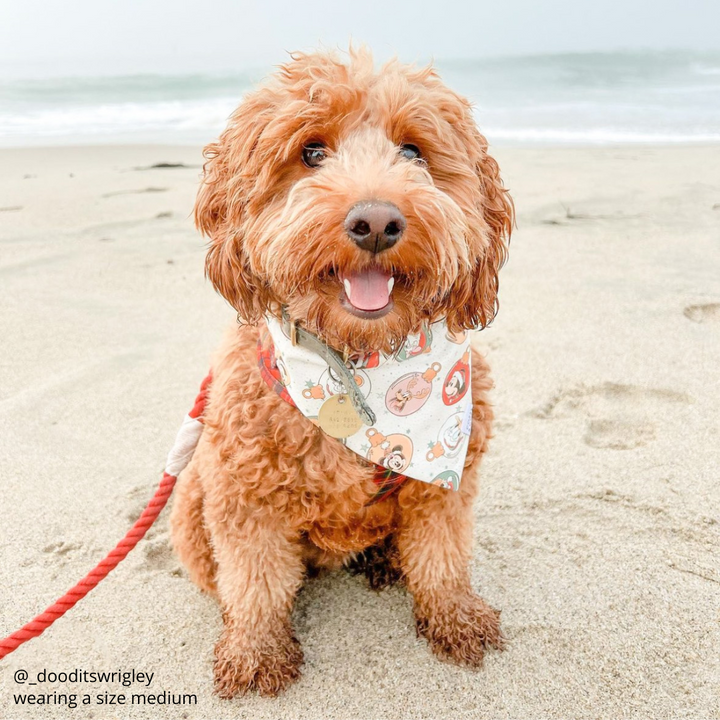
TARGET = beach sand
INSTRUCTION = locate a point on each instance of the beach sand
(598, 522)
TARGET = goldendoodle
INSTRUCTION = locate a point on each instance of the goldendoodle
(357, 224)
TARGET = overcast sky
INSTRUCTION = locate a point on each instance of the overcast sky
(168, 36)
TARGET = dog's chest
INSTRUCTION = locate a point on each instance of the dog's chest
(341, 515)
(353, 532)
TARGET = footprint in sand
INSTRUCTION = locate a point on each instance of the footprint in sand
(703, 313)
(61, 547)
(60, 552)
(138, 498)
(617, 417)
(159, 555)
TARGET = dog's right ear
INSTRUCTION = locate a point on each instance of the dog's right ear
(221, 212)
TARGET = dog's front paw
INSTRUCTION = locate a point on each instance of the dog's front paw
(460, 630)
(267, 668)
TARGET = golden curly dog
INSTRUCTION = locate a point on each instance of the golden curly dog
(333, 171)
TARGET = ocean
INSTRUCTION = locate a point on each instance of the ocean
(569, 99)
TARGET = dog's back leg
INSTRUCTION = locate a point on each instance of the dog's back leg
(379, 563)
(189, 534)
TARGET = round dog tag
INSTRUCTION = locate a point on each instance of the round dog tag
(337, 417)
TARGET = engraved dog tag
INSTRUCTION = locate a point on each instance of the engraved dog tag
(337, 417)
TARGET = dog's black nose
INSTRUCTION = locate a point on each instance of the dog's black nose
(375, 225)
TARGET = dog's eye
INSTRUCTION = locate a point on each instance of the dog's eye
(313, 154)
(410, 152)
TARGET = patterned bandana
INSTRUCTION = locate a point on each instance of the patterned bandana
(421, 398)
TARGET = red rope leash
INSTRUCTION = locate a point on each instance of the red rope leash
(136, 533)
(386, 480)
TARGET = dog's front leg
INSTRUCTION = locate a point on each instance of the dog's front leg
(435, 543)
(259, 571)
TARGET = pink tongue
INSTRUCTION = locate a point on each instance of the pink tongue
(368, 290)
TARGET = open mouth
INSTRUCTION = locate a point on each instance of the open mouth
(367, 293)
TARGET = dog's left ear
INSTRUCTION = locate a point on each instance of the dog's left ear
(473, 300)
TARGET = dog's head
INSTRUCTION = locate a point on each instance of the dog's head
(364, 202)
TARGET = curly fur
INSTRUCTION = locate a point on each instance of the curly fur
(379, 563)
(268, 496)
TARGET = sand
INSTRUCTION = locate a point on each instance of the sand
(598, 523)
